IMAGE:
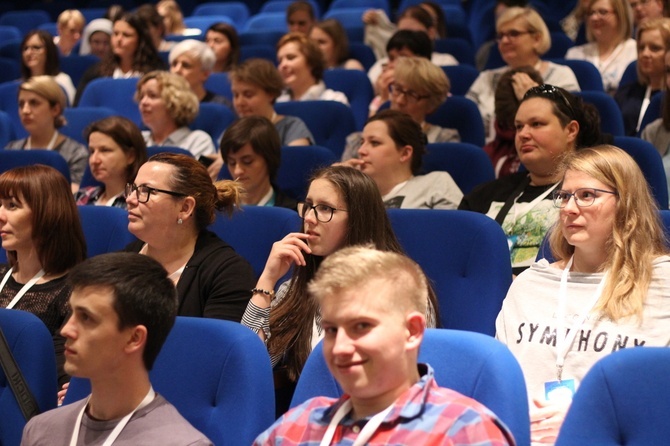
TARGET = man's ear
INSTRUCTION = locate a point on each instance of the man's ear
(415, 324)
(137, 339)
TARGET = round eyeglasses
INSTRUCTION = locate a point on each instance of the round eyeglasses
(584, 197)
(323, 212)
(411, 95)
(143, 192)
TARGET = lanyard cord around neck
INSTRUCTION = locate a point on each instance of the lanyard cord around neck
(50, 146)
(23, 290)
(366, 433)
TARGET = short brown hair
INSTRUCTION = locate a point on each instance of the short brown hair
(57, 233)
(404, 131)
(309, 49)
(260, 72)
(261, 134)
(336, 31)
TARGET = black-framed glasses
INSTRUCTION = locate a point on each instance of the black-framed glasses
(584, 196)
(552, 92)
(143, 192)
(599, 12)
(512, 34)
(323, 212)
(411, 95)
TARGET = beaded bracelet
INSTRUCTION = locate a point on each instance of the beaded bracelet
(270, 293)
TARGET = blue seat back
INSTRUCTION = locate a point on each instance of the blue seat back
(25, 20)
(472, 364)
(462, 114)
(238, 12)
(10, 159)
(611, 120)
(362, 53)
(117, 94)
(7, 132)
(587, 74)
(654, 110)
(75, 65)
(218, 376)
(105, 229)
(213, 119)
(647, 157)
(458, 47)
(356, 86)
(267, 21)
(81, 117)
(219, 83)
(32, 346)
(9, 103)
(467, 164)
(461, 77)
(467, 260)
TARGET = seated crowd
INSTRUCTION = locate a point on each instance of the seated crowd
(587, 245)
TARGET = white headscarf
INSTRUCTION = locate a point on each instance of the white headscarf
(96, 25)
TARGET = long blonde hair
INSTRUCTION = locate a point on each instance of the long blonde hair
(637, 238)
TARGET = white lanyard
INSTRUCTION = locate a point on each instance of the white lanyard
(563, 344)
(367, 431)
(643, 108)
(119, 427)
(530, 205)
(29, 144)
(23, 290)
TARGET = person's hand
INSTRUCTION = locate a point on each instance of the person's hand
(62, 392)
(286, 252)
(214, 168)
(521, 83)
(546, 419)
(370, 17)
(356, 163)
(383, 81)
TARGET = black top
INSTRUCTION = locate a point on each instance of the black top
(629, 98)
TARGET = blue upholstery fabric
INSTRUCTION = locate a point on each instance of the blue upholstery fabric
(465, 255)
(624, 399)
(611, 120)
(217, 374)
(33, 349)
(116, 94)
(81, 117)
(356, 86)
(105, 229)
(467, 164)
(651, 164)
(475, 365)
(10, 159)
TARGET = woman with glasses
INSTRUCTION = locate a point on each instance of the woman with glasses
(523, 38)
(170, 205)
(40, 57)
(301, 66)
(116, 152)
(343, 208)
(419, 87)
(42, 234)
(550, 124)
(610, 48)
(607, 288)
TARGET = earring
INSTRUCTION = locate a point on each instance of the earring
(180, 221)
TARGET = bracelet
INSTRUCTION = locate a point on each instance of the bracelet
(270, 293)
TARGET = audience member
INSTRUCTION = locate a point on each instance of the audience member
(70, 25)
(658, 131)
(170, 206)
(123, 308)
(153, 21)
(509, 93)
(573, 24)
(391, 154)
(256, 84)
(40, 57)
(41, 104)
(300, 17)
(43, 238)
(194, 60)
(610, 46)
(114, 12)
(116, 152)
(173, 18)
(168, 106)
(550, 123)
(653, 40)
(223, 40)
(343, 208)
(418, 89)
(372, 306)
(645, 9)
(334, 44)
(607, 289)
(133, 53)
(301, 65)
(523, 38)
(251, 150)
(97, 39)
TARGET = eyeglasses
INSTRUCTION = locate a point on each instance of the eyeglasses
(512, 34)
(634, 5)
(323, 212)
(599, 13)
(584, 197)
(552, 92)
(32, 47)
(143, 192)
(412, 96)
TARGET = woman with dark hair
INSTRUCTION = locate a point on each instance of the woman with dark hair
(550, 123)
(251, 150)
(133, 53)
(606, 290)
(41, 104)
(223, 40)
(301, 65)
(391, 153)
(116, 152)
(42, 235)
(343, 208)
(256, 84)
(170, 205)
(40, 57)
(334, 44)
